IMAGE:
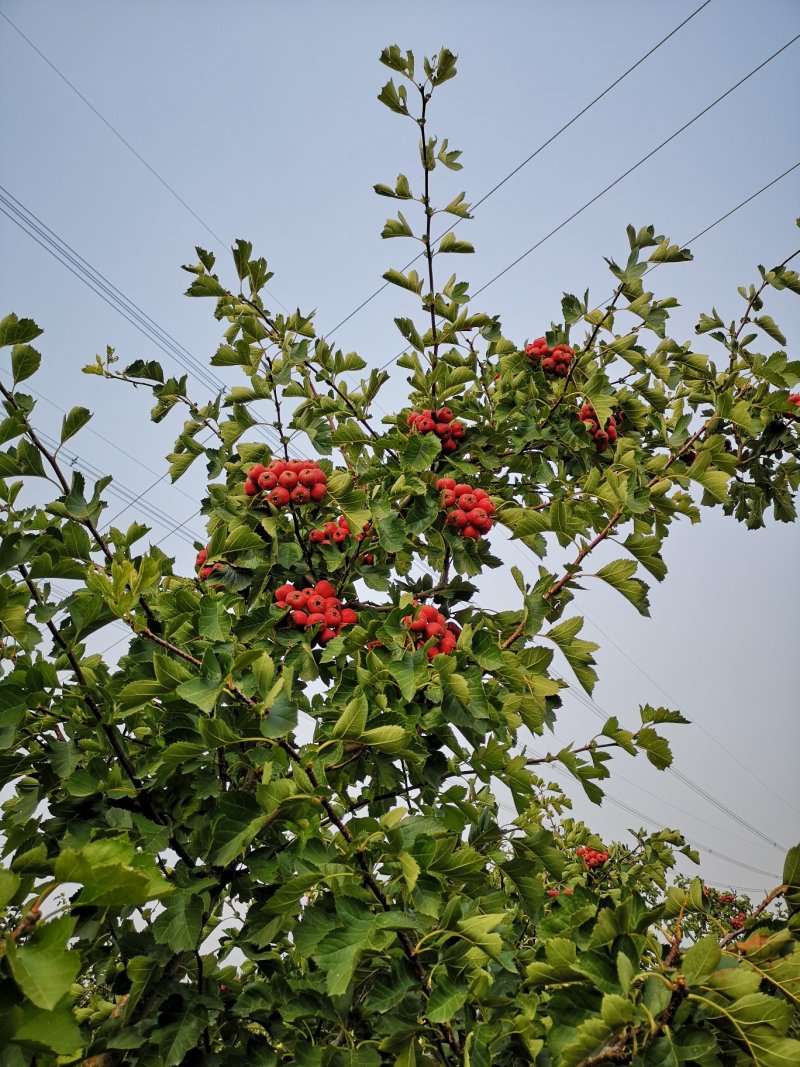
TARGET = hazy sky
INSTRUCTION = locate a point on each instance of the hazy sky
(263, 117)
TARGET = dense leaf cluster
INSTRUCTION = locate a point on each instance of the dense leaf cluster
(237, 844)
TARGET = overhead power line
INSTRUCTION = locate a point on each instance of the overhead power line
(110, 126)
(639, 163)
(545, 144)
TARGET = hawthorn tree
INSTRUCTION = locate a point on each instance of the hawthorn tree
(270, 832)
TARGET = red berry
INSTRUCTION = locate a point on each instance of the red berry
(449, 445)
(478, 516)
(250, 488)
(315, 602)
(418, 624)
(368, 559)
(442, 429)
(425, 424)
(308, 477)
(201, 557)
(456, 518)
(349, 617)
(568, 892)
(300, 495)
(299, 618)
(413, 417)
(338, 536)
(279, 497)
(449, 498)
(467, 501)
(444, 415)
(316, 537)
(470, 531)
(319, 491)
(267, 480)
(282, 593)
(434, 629)
(458, 430)
(296, 599)
(324, 589)
(461, 488)
(315, 618)
(288, 479)
(552, 892)
(446, 483)
(327, 634)
(255, 471)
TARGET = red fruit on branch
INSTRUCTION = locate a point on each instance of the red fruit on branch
(300, 495)
(250, 488)
(441, 423)
(267, 481)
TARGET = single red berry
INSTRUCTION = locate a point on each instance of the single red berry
(434, 629)
(458, 430)
(288, 479)
(201, 557)
(413, 418)
(250, 488)
(446, 483)
(327, 634)
(308, 477)
(467, 501)
(345, 525)
(368, 559)
(444, 415)
(325, 589)
(315, 602)
(267, 480)
(456, 518)
(255, 471)
(279, 497)
(338, 536)
(425, 424)
(349, 617)
(282, 593)
(296, 599)
(449, 498)
(319, 491)
(315, 618)
(470, 531)
(462, 488)
(316, 537)
(300, 495)
(442, 429)
(418, 624)
(299, 618)
(449, 445)
(552, 892)
(477, 516)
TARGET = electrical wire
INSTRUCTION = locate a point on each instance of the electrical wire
(173, 192)
(545, 144)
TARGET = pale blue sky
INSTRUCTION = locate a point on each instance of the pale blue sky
(263, 117)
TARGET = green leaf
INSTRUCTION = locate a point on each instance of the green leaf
(9, 884)
(486, 651)
(73, 421)
(389, 739)
(713, 481)
(44, 974)
(112, 873)
(202, 692)
(420, 451)
(445, 1000)
(179, 1037)
(398, 227)
(619, 575)
(281, 718)
(449, 243)
(769, 326)
(25, 362)
(352, 722)
(655, 747)
(238, 819)
(180, 924)
(50, 1031)
(15, 331)
(701, 960)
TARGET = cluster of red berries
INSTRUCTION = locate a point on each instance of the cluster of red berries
(554, 361)
(298, 481)
(471, 509)
(557, 892)
(206, 570)
(316, 605)
(442, 423)
(591, 857)
(332, 533)
(428, 623)
(602, 438)
(738, 921)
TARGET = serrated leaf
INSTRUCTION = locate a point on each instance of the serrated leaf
(25, 361)
(353, 721)
(16, 331)
(701, 960)
(420, 452)
(769, 326)
(445, 1000)
(619, 575)
(43, 974)
(73, 421)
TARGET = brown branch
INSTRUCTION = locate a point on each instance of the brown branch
(111, 735)
(780, 891)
